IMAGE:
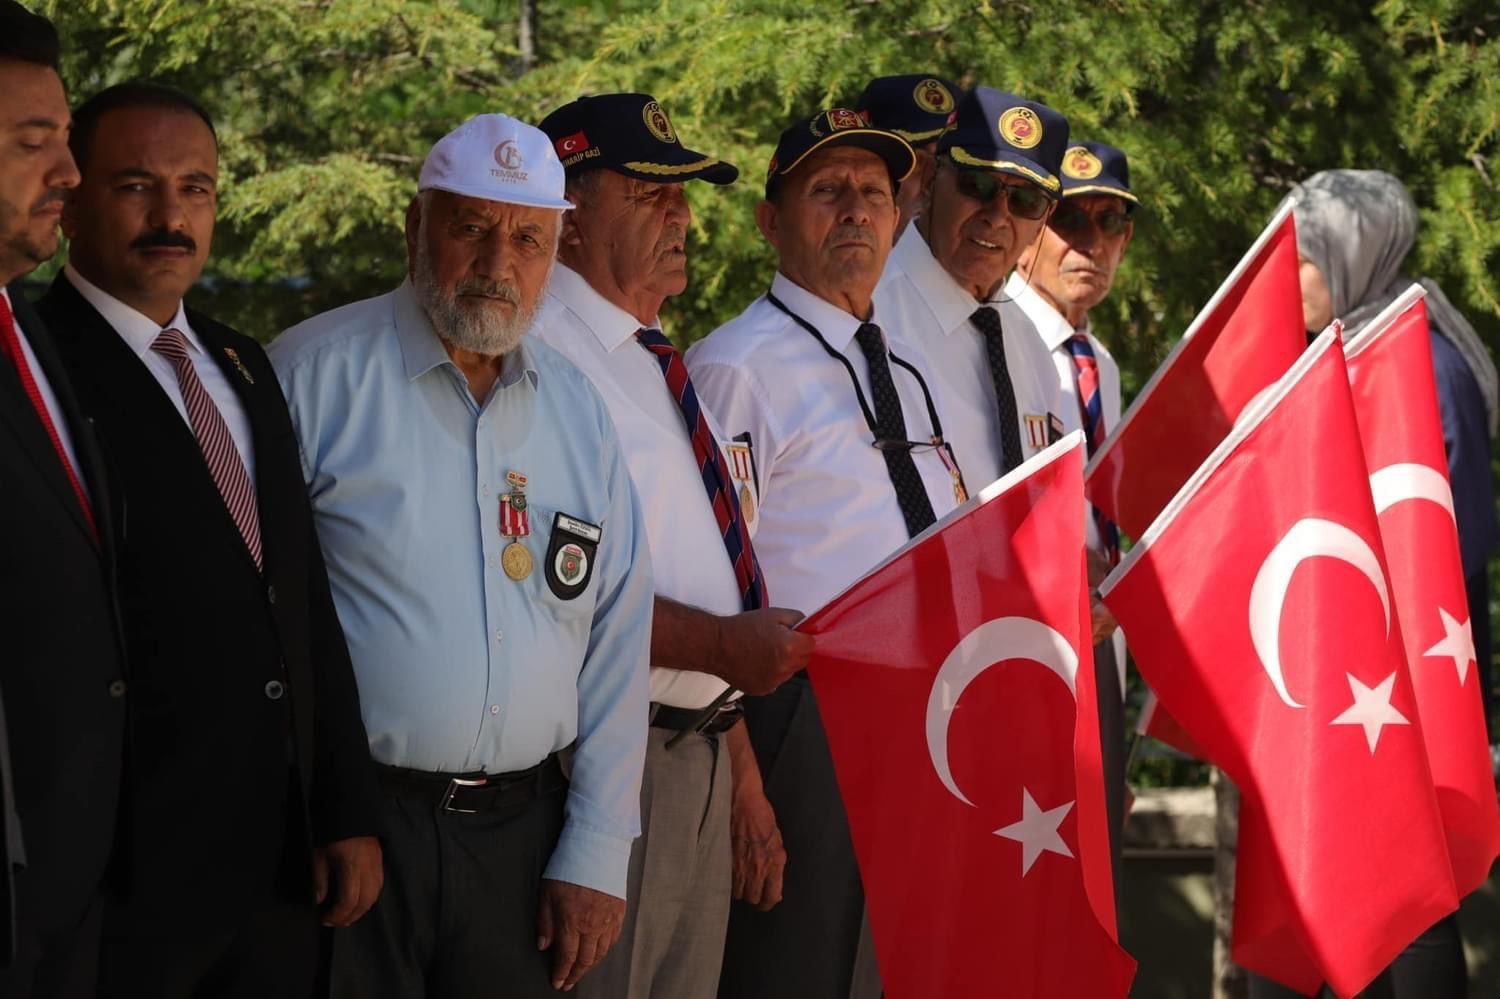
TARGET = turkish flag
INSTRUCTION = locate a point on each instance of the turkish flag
(948, 680)
(1259, 610)
(1395, 398)
(1247, 336)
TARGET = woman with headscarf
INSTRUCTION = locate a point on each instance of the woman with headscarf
(1354, 231)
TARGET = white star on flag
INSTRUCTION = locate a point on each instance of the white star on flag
(1037, 830)
(1457, 644)
(1372, 709)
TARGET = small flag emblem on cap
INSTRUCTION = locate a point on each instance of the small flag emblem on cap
(571, 144)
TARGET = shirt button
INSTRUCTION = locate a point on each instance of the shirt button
(275, 689)
(485, 491)
(493, 561)
(117, 689)
(499, 636)
(271, 595)
(494, 709)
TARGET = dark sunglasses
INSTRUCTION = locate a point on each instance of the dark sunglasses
(1071, 220)
(1023, 200)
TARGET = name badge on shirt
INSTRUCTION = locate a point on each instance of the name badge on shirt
(569, 564)
(741, 460)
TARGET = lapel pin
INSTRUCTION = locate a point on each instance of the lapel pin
(234, 359)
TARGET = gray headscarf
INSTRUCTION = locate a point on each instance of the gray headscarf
(1356, 227)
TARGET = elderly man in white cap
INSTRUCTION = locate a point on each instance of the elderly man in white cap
(489, 564)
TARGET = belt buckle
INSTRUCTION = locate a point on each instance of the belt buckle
(446, 805)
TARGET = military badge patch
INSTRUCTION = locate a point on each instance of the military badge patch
(570, 556)
(1021, 127)
(842, 118)
(657, 122)
(931, 96)
(1080, 164)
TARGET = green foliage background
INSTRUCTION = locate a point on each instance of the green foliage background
(328, 106)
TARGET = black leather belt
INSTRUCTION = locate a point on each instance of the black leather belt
(473, 793)
(692, 720)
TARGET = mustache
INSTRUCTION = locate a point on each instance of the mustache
(164, 238)
(673, 237)
(56, 196)
(852, 234)
(502, 290)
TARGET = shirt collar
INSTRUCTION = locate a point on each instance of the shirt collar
(611, 325)
(1053, 325)
(137, 330)
(422, 349)
(948, 300)
(837, 326)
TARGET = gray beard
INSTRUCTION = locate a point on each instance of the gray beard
(472, 327)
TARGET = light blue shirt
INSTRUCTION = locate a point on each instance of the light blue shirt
(460, 667)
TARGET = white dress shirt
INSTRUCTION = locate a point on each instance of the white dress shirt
(923, 304)
(140, 333)
(828, 511)
(1056, 331)
(49, 398)
(687, 551)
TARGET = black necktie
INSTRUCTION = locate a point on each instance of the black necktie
(910, 493)
(987, 320)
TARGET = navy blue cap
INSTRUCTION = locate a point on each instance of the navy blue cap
(993, 130)
(838, 127)
(915, 107)
(630, 134)
(1096, 168)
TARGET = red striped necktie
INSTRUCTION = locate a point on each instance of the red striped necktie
(219, 453)
(10, 345)
(712, 468)
(1091, 408)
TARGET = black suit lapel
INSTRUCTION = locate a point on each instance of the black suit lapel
(18, 413)
(110, 369)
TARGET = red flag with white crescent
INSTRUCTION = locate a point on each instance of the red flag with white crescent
(1259, 609)
(1246, 338)
(949, 681)
(1395, 398)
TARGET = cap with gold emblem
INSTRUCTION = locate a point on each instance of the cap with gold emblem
(993, 130)
(838, 127)
(915, 107)
(1097, 168)
(632, 135)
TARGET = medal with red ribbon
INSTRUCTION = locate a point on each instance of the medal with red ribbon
(515, 524)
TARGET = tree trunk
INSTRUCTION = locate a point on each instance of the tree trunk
(1229, 980)
(527, 31)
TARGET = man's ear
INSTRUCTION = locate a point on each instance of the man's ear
(570, 234)
(413, 232)
(766, 220)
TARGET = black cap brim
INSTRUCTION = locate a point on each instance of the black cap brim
(677, 165)
(890, 147)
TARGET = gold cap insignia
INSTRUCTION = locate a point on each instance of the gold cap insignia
(1021, 128)
(657, 122)
(1080, 164)
(931, 96)
(841, 118)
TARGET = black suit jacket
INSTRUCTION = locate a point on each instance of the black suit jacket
(61, 654)
(239, 677)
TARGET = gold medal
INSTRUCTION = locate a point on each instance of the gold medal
(516, 561)
(747, 503)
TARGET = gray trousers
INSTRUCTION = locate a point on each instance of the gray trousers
(457, 916)
(672, 943)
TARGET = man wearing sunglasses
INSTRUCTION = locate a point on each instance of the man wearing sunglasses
(994, 185)
(916, 107)
(1059, 278)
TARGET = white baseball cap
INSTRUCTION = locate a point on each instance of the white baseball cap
(496, 157)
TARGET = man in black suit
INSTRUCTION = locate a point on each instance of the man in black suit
(251, 792)
(61, 661)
